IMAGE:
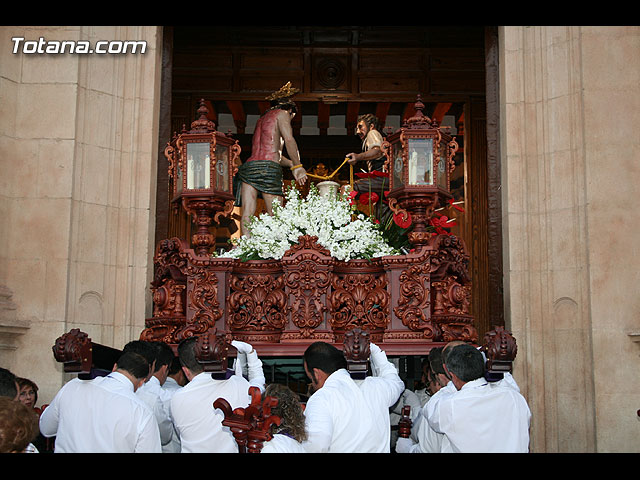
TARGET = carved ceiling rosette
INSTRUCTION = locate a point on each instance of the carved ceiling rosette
(307, 277)
(359, 298)
(256, 305)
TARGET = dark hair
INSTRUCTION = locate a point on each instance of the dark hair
(435, 360)
(187, 354)
(164, 355)
(8, 387)
(285, 104)
(18, 426)
(370, 119)
(325, 357)
(465, 362)
(141, 347)
(175, 366)
(133, 363)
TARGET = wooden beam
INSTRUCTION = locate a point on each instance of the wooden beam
(324, 111)
(239, 117)
(382, 109)
(351, 120)
(440, 111)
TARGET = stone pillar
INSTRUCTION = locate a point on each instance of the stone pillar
(78, 144)
(569, 153)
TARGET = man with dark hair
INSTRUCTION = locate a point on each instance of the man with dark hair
(347, 416)
(8, 384)
(261, 174)
(198, 424)
(478, 416)
(144, 348)
(154, 396)
(174, 382)
(104, 415)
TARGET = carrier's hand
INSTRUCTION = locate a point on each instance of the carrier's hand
(242, 347)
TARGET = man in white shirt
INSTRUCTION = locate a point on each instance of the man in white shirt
(174, 382)
(198, 423)
(345, 416)
(104, 415)
(471, 414)
(154, 396)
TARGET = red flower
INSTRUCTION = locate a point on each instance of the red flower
(375, 173)
(442, 222)
(364, 174)
(352, 197)
(401, 220)
(366, 197)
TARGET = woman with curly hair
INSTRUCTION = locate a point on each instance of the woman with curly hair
(287, 436)
(18, 426)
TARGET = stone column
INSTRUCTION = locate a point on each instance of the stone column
(78, 139)
(569, 143)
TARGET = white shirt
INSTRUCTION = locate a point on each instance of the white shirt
(152, 394)
(282, 444)
(348, 417)
(482, 417)
(170, 386)
(102, 415)
(197, 422)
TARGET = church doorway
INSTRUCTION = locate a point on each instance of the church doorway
(343, 72)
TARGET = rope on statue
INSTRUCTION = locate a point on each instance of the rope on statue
(329, 177)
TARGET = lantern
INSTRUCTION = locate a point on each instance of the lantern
(419, 162)
(202, 162)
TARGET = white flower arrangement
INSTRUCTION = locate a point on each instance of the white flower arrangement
(329, 218)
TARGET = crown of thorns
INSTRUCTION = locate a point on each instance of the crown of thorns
(285, 91)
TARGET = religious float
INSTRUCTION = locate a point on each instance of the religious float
(317, 276)
(318, 269)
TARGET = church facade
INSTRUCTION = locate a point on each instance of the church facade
(80, 142)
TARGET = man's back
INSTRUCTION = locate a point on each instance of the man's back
(100, 416)
(197, 422)
(483, 418)
(351, 417)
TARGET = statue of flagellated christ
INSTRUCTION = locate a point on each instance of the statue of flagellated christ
(261, 174)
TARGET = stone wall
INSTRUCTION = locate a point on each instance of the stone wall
(569, 141)
(78, 153)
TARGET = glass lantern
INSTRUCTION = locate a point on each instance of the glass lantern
(201, 168)
(420, 163)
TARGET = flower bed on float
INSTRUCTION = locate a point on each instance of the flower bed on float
(332, 219)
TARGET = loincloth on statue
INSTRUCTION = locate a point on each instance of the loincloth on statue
(263, 175)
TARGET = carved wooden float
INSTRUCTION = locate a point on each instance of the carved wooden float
(407, 303)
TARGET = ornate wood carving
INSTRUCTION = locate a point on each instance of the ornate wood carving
(500, 348)
(357, 349)
(211, 351)
(307, 278)
(403, 301)
(359, 298)
(414, 304)
(256, 306)
(80, 355)
(250, 426)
